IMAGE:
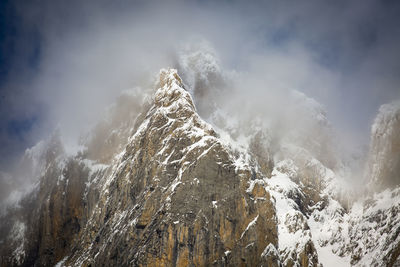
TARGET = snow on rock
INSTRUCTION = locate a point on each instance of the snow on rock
(269, 250)
(365, 236)
(374, 228)
(329, 232)
(61, 262)
(294, 234)
(251, 224)
(18, 238)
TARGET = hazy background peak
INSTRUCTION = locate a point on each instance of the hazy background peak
(62, 62)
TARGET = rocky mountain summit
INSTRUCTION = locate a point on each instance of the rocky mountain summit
(160, 186)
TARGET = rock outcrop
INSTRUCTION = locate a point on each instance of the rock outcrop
(384, 156)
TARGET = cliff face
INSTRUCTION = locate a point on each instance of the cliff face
(384, 156)
(159, 186)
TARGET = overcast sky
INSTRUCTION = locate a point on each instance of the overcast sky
(61, 62)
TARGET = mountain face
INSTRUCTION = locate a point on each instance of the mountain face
(159, 186)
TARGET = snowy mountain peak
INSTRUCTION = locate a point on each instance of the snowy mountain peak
(171, 93)
(168, 77)
(157, 185)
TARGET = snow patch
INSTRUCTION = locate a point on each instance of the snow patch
(251, 224)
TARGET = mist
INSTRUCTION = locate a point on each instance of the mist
(67, 62)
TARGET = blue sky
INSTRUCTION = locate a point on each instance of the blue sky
(50, 52)
(13, 129)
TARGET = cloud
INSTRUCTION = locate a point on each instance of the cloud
(72, 58)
